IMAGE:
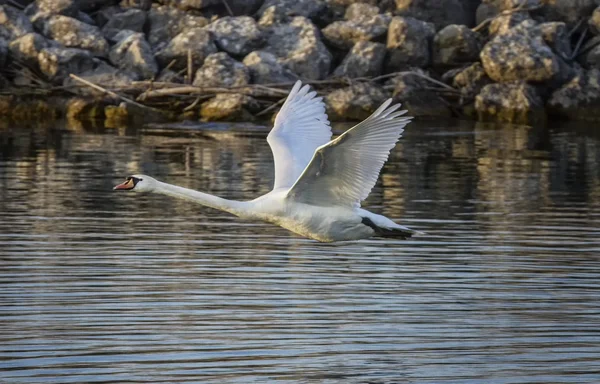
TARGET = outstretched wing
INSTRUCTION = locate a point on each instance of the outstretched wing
(301, 126)
(343, 171)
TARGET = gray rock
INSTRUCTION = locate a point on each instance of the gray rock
(412, 91)
(471, 80)
(164, 23)
(265, 68)
(409, 44)
(591, 59)
(440, 13)
(73, 33)
(220, 70)
(344, 34)
(355, 102)
(103, 75)
(298, 46)
(93, 5)
(283, 11)
(132, 19)
(556, 36)
(196, 40)
(169, 76)
(578, 99)
(236, 35)
(229, 107)
(13, 23)
(134, 56)
(503, 24)
(521, 54)
(105, 14)
(57, 63)
(144, 5)
(359, 11)
(568, 11)
(26, 48)
(516, 102)
(364, 59)
(40, 10)
(594, 21)
(454, 45)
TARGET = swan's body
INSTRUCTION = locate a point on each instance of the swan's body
(319, 183)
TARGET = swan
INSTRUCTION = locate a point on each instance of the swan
(319, 182)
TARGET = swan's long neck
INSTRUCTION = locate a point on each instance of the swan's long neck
(236, 207)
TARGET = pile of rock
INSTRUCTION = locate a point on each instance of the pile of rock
(512, 60)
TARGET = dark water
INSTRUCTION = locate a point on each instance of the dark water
(104, 287)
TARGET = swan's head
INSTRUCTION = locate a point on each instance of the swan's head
(137, 183)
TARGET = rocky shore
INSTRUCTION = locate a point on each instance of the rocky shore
(519, 61)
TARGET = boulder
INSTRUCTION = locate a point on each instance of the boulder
(220, 70)
(132, 19)
(556, 36)
(40, 10)
(455, 45)
(440, 13)
(358, 11)
(364, 59)
(409, 44)
(412, 91)
(102, 74)
(265, 68)
(591, 59)
(57, 63)
(26, 49)
(298, 46)
(516, 102)
(197, 41)
(144, 5)
(344, 34)
(594, 21)
(520, 54)
(13, 23)
(229, 107)
(237, 36)
(355, 102)
(73, 33)
(568, 11)
(283, 11)
(164, 23)
(105, 14)
(578, 99)
(471, 80)
(503, 24)
(133, 55)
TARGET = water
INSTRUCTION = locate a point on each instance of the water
(101, 287)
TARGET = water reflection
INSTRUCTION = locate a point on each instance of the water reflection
(97, 286)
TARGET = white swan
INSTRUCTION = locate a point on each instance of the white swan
(319, 183)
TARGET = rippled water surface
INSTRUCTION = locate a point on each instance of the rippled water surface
(103, 287)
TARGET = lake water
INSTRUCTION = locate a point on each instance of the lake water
(103, 287)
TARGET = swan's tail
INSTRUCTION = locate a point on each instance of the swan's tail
(397, 232)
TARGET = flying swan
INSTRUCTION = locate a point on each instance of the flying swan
(319, 182)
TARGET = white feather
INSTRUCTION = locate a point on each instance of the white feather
(301, 126)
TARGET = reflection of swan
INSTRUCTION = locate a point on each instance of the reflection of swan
(319, 183)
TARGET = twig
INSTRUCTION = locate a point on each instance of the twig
(575, 28)
(190, 65)
(578, 45)
(270, 108)
(113, 94)
(227, 7)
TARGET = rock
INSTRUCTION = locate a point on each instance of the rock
(26, 49)
(455, 44)
(144, 5)
(506, 5)
(187, 5)
(169, 76)
(471, 80)
(13, 23)
(568, 11)
(440, 13)
(409, 44)
(229, 107)
(556, 36)
(164, 23)
(40, 10)
(88, 6)
(501, 25)
(283, 11)
(84, 108)
(578, 99)
(220, 70)
(355, 102)
(594, 21)
(105, 14)
(520, 54)
(412, 91)
(132, 19)
(236, 35)
(485, 12)
(134, 56)
(516, 102)
(57, 63)
(196, 40)
(364, 59)
(344, 34)
(73, 33)
(359, 11)
(297, 46)
(103, 75)
(264, 68)
(3, 52)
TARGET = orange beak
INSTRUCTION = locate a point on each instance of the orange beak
(127, 185)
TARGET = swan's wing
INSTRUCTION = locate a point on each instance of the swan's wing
(301, 126)
(343, 171)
